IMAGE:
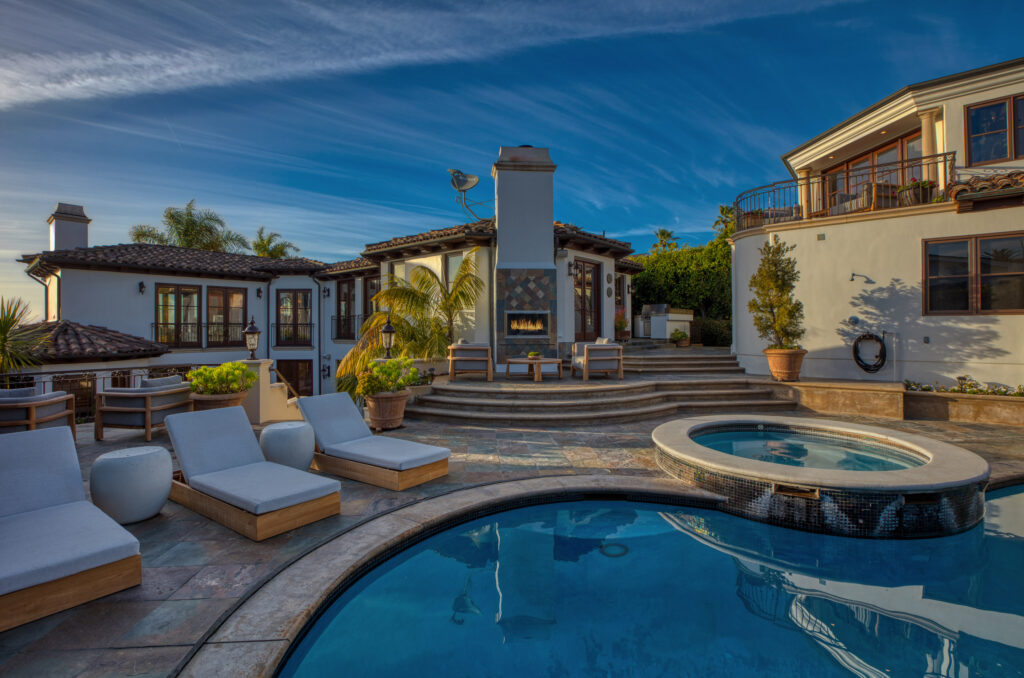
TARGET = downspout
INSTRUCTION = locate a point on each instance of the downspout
(269, 326)
(46, 290)
(319, 328)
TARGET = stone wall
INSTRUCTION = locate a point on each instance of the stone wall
(525, 289)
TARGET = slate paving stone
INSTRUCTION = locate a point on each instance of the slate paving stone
(221, 581)
(174, 622)
(138, 662)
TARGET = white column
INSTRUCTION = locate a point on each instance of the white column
(928, 141)
(804, 182)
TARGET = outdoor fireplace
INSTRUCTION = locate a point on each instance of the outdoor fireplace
(528, 324)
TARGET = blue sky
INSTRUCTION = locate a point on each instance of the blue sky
(334, 123)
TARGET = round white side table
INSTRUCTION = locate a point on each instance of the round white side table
(132, 484)
(290, 443)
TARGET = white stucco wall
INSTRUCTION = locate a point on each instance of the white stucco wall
(888, 251)
(951, 127)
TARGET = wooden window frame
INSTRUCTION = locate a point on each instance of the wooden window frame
(177, 315)
(225, 292)
(843, 168)
(368, 309)
(597, 291)
(973, 274)
(350, 284)
(444, 265)
(1009, 102)
(294, 324)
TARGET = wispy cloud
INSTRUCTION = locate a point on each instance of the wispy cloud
(56, 51)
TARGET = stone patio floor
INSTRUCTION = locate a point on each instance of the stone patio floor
(195, 571)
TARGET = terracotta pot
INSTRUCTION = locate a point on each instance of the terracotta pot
(682, 343)
(785, 363)
(212, 402)
(387, 409)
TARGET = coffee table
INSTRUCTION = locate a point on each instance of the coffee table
(533, 366)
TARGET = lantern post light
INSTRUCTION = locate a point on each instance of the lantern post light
(252, 337)
(387, 337)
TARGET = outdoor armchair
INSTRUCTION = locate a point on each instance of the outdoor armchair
(145, 407)
(59, 550)
(469, 359)
(590, 358)
(348, 449)
(225, 477)
(21, 409)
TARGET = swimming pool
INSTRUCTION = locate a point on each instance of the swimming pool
(618, 588)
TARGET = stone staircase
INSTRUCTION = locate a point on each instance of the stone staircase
(680, 361)
(556, 404)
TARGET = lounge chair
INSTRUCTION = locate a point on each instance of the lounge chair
(470, 359)
(145, 407)
(59, 550)
(225, 477)
(346, 448)
(21, 409)
(599, 357)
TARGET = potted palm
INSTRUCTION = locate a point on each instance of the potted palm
(778, 316)
(223, 386)
(385, 386)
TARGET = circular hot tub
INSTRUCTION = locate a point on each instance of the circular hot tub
(828, 476)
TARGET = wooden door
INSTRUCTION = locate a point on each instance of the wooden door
(587, 299)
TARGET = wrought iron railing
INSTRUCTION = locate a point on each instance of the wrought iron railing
(346, 326)
(861, 189)
(178, 335)
(293, 334)
(225, 334)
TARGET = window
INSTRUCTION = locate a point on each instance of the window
(177, 315)
(346, 322)
(225, 316)
(294, 318)
(620, 291)
(980, 274)
(452, 262)
(298, 374)
(371, 286)
(851, 185)
(995, 131)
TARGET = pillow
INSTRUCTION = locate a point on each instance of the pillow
(462, 341)
(603, 340)
(23, 392)
(172, 380)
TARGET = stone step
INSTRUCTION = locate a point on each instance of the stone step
(641, 399)
(551, 389)
(603, 416)
(680, 358)
(663, 369)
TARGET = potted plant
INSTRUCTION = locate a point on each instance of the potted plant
(680, 338)
(533, 355)
(916, 192)
(223, 386)
(778, 316)
(385, 386)
(621, 325)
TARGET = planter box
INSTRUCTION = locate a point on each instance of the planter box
(982, 409)
(907, 197)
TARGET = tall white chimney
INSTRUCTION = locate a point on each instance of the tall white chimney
(69, 227)
(524, 207)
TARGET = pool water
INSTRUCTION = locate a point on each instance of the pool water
(794, 448)
(606, 588)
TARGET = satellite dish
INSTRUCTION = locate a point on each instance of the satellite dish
(462, 182)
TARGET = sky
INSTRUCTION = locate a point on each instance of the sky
(334, 124)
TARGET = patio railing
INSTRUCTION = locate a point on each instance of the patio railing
(857, 189)
(346, 326)
(293, 334)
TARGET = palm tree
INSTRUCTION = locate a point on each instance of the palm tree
(725, 224)
(424, 311)
(270, 245)
(18, 344)
(201, 229)
(666, 240)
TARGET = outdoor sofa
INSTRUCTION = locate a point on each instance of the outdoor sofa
(59, 550)
(601, 356)
(346, 448)
(21, 409)
(469, 358)
(145, 407)
(225, 477)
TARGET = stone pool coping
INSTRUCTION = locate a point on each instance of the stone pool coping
(254, 638)
(948, 466)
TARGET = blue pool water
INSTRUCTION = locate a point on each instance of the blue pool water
(793, 448)
(604, 588)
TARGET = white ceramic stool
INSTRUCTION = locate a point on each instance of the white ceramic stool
(290, 443)
(132, 484)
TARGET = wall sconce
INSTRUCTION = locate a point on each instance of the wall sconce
(142, 287)
(325, 292)
(259, 292)
(325, 372)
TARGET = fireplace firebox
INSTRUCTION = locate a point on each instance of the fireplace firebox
(526, 324)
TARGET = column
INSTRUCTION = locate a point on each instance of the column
(928, 142)
(804, 183)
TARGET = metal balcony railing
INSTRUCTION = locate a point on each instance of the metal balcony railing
(346, 326)
(293, 334)
(861, 189)
(225, 334)
(178, 335)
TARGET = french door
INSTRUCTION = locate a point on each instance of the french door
(587, 299)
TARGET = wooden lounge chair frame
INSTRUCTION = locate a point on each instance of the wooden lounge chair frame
(389, 479)
(33, 421)
(452, 359)
(599, 348)
(35, 602)
(251, 525)
(148, 409)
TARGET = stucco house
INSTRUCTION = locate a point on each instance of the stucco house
(908, 221)
(547, 284)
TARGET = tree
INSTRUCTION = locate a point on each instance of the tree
(666, 241)
(19, 344)
(725, 224)
(270, 245)
(424, 311)
(201, 229)
(778, 316)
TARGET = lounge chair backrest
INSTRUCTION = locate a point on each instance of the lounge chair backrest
(23, 392)
(173, 380)
(213, 440)
(38, 469)
(334, 417)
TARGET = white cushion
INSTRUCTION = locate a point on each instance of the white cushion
(334, 417)
(57, 541)
(264, 486)
(38, 469)
(603, 340)
(213, 440)
(392, 453)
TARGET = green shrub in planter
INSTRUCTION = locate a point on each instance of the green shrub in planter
(223, 379)
(391, 376)
(679, 335)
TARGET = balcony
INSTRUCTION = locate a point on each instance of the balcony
(178, 335)
(293, 334)
(866, 188)
(225, 334)
(346, 327)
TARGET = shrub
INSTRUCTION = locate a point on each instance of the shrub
(679, 335)
(621, 324)
(225, 378)
(967, 384)
(778, 316)
(387, 377)
(716, 332)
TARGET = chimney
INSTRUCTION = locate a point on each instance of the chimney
(69, 227)
(524, 207)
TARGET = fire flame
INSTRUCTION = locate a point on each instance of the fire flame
(526, 324)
